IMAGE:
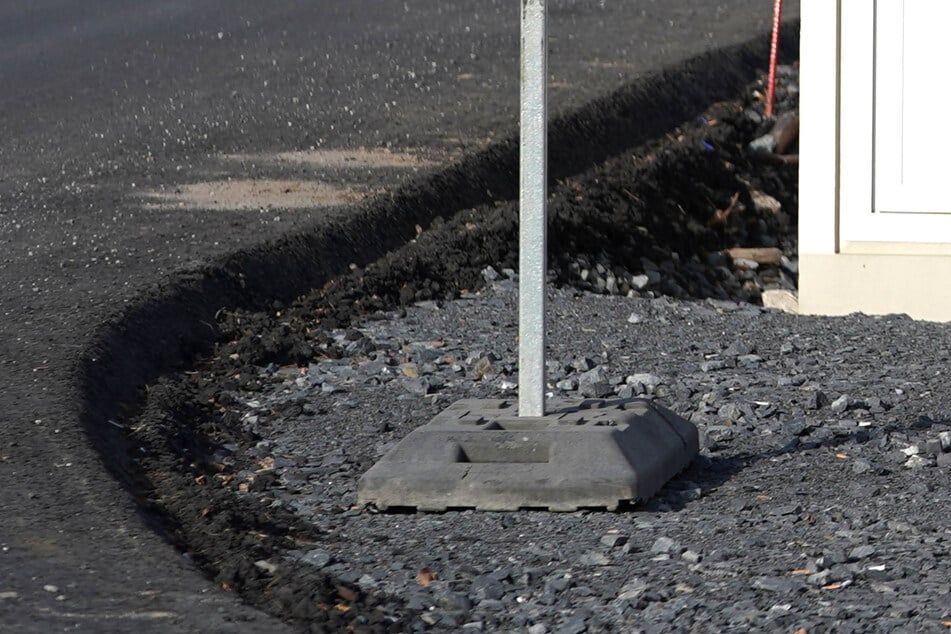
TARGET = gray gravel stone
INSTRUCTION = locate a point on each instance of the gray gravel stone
(614, 540)
(713, 365)
(664, 545)
(594, 558)
(860, 466)
(861, 552)
(595, 384)
(840, 405)
(918, 462)
(317, 557)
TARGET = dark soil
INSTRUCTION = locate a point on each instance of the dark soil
(651, 209)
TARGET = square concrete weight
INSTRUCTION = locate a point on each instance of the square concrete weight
(585, 454)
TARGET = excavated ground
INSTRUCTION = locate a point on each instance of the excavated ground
(252, 456)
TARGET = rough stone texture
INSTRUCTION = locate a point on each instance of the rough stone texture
(782, 299)
(788, 520)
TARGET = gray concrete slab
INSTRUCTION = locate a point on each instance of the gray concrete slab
(582, 454)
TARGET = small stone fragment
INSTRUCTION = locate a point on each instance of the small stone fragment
(594, 558)
(932, 447)
(817, 400)
(266, 566)
(416, 387)
(781, 299)
(594, 383)
(796, 427)
(663, 545)
(861, 466)
(749, 359)
(317, 557)
(632, 590)
(489, 274)
(650, 381)
(639, 282)
(917, 462)
(840, 404)
(691, 556)
(614, 540)
(861, 552)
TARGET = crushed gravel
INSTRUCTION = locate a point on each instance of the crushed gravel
(819, 501)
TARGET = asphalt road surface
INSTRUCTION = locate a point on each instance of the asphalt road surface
(109, 109)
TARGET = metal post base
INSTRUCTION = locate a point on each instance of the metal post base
(480, 454)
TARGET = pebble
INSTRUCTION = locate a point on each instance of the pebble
(691, 557)
(861, 552)
(711, 366)
(861, 466)
(663, 545)
(763, 145)
(317, 557)
(840, 405)
(266, 566)
(595, 383)
(614, 540)
(918, 462)
(816, 399)
(594, 558)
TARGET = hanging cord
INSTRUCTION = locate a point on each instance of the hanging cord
(773, 54)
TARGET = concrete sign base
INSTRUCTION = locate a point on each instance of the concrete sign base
(585, 454)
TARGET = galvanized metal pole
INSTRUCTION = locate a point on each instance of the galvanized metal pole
(533, 216)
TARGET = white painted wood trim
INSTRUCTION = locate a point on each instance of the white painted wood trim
(818, 150)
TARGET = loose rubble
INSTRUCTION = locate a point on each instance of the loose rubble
(818, 503)
(818, 498)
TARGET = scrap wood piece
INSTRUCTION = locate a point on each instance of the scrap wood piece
(778, 159)
(786, 132)
(720, 216)
(777, 145)
(760, 255)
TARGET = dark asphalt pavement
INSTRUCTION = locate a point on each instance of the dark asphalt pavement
(102, 100)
